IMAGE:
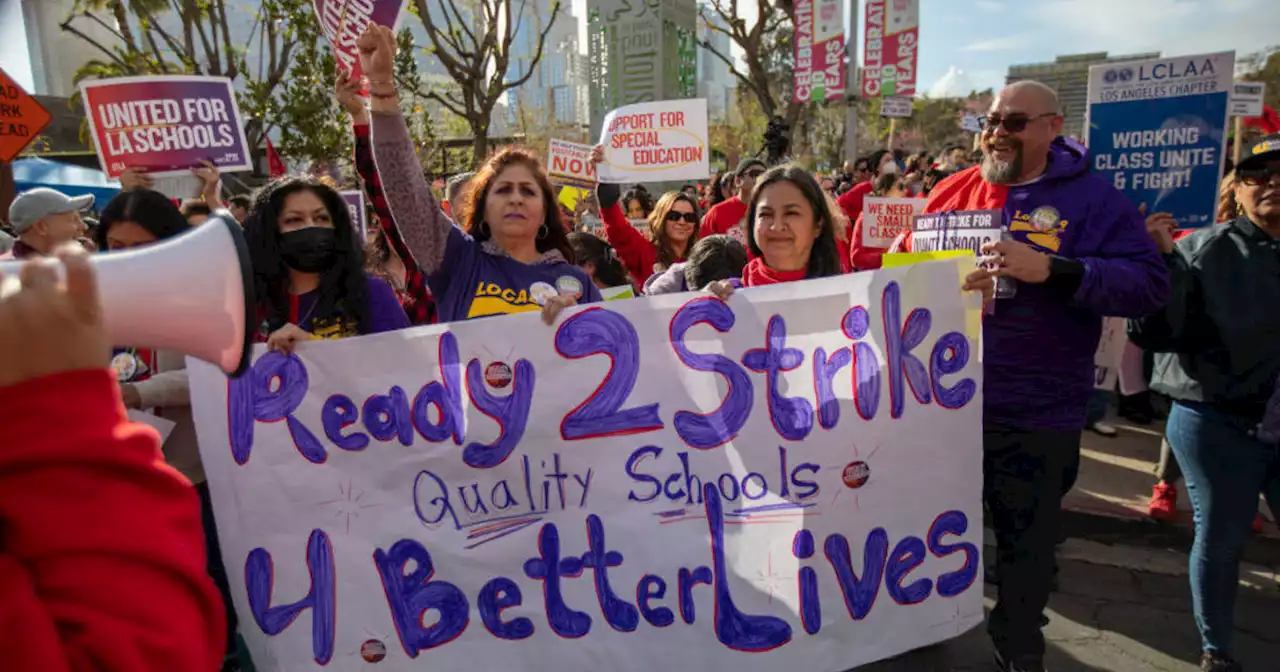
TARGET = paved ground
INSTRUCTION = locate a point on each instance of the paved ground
(1117, 619)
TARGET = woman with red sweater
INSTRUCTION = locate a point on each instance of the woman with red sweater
(102, 562)
(674, 223)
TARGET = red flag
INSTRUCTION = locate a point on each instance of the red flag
(1268, 123)
(275, 165)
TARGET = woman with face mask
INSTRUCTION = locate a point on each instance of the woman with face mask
(673, 224)
(512, 253)
(308, 268)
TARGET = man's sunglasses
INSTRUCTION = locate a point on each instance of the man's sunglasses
(1257, 177)
(690, 217)
(1014, 123)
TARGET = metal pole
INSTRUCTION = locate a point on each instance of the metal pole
(1235, 148)
(852, 92)
(893, 128)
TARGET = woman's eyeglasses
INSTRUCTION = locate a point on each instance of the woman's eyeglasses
(690, 217)
(1014, 123)
(1257, 177)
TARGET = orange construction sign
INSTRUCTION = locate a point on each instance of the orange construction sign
(21, 118)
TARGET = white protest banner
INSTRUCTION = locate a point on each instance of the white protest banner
(569, 163)
(897, 107)
(791, 480)
(1106, 359)
(1246, 99)
(819, 53)
(961, 230)
(883, 219)
(165, 125)
(355, 206)
(344, 20)
(656, 142)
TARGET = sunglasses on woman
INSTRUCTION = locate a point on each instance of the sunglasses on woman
(690, 217)
(1257, 177)
(1014, 123)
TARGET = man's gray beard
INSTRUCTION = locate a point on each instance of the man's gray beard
(998, 172)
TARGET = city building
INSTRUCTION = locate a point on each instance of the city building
(716, 81)
(555, 95)
(1069, 76)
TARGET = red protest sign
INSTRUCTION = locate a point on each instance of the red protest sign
(21, 118)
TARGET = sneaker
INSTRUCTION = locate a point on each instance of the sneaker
(1019, 663)
(1103, 429)
(1212, 661)
(1164, 502)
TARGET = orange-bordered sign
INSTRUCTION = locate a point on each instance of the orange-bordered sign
(21, 118)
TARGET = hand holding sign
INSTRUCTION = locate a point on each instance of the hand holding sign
(1017, 260)
(136, 178)
(347, 92)
(1160, 226)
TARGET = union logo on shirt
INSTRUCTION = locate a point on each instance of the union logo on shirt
(494, 299)
(1041, 228)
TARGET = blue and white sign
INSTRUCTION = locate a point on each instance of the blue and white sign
(1157, 128)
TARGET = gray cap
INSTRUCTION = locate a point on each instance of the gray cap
(34, 205)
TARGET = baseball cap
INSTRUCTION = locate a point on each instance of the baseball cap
(35, 204)
(746, 163)
(1264, 151)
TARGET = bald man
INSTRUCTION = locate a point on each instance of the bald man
(1077, 250)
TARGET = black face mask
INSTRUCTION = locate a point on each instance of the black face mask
(310, 250)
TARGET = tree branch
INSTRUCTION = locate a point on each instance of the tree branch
(115, 58)
(458, 110)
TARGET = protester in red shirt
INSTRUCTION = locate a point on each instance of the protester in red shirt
(727, 217)
(102, 563)
(863, 257)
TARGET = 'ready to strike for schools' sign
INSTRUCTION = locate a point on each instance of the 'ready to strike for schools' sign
(957, 230)
(569, 163)
(344, 20)
(656, 142)
(892, 31)
(791, 479)
(819, 54)
(883, 219)
(165, 124)
(1157, 130)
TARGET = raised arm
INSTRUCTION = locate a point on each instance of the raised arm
(423, 227)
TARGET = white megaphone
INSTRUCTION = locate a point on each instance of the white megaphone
(192, 293)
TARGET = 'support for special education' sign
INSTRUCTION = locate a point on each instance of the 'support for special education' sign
(344, 20)
(165, 125)
(656, 142)
(884, 218)
(960, 230)
(789, 479)
(569, 163)
(1157, 130)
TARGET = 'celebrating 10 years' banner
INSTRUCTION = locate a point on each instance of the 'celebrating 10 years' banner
(790, 480)
(819, 53)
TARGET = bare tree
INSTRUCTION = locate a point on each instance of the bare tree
(472, 40)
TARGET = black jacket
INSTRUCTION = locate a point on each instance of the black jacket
(1221, 326)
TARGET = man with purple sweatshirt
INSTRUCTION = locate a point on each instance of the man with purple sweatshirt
(1077, 250)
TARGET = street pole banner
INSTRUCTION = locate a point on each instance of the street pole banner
(165, 124)
(819, 56)
(569, 163)
(359, 215)
(790, 480)
(1157, 130)
(892, 33)
(960, 230)
(343, 21)
(656, 142)
(883, 219)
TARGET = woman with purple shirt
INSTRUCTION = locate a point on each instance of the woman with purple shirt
(308, 268)
(514, 255)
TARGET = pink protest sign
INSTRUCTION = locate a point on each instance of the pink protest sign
(165, 125)
(344, 20)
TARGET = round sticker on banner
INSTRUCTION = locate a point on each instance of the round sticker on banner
(856, 474)
(497, 374)
(125, 365)
(540, 292)
(1045, 218)
(373, 651)
(567, 284)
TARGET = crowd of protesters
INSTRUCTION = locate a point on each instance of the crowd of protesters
(68, 589)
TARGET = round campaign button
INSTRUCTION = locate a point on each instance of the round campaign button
(497, 374)
(567, 284)
(373, 651)
(540, 292)
(125, 366)
(856, 474)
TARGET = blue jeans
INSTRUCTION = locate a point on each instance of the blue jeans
(1225, 468)
(1096, 410)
